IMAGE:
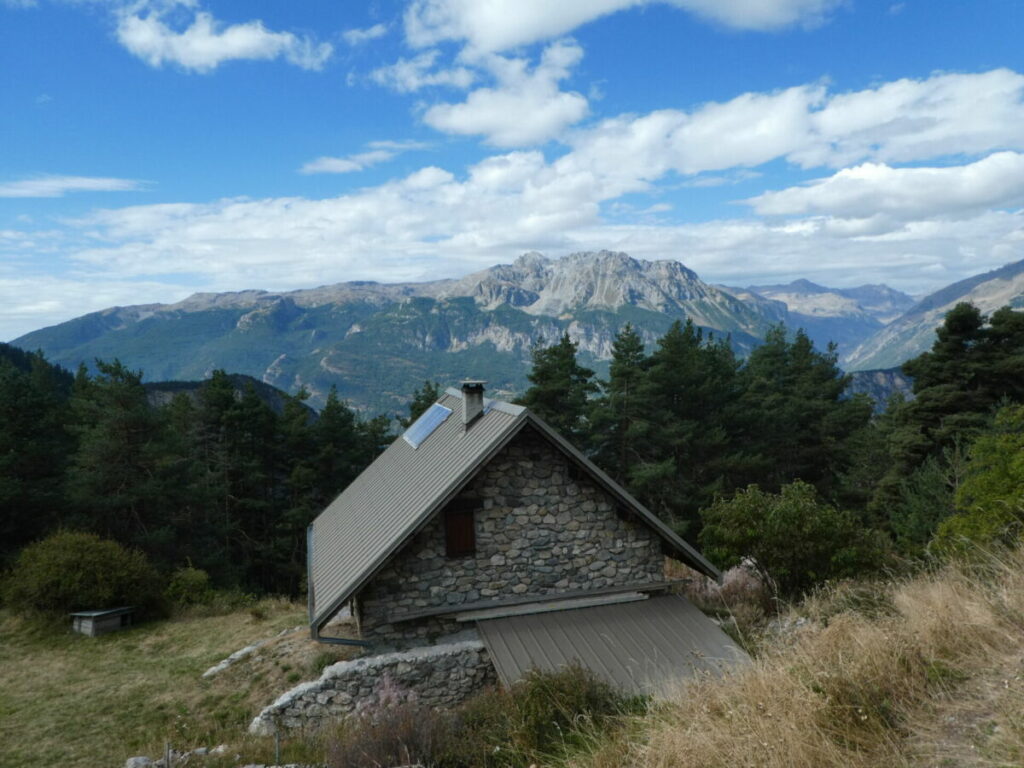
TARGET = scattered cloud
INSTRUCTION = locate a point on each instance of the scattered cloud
(37, 301)
(409, 75)
(877, 220)
(356, 37)
(499, 25)
(377, 152)
(205, 43)
(875, 189)
(946, 115)
(58, 186)
(43, 98)
(527, 107)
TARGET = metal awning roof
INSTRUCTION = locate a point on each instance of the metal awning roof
(640, 647)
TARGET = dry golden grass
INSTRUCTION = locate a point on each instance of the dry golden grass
(71, 700)
(921, 672)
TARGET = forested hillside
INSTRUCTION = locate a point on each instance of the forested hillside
(761, 457)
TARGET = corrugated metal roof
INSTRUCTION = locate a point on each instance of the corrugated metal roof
(640, 647)
(388, 502)
(399, 492)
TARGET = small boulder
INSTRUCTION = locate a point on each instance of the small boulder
(139, 761)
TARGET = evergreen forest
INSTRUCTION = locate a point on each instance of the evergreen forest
(762, 458)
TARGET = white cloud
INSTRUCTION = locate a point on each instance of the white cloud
(408, 75)
(30, 303)
(58, 186)
(876, 189)
(527, 107)
(880, 222)
(356, 162)
(359, 36)
(499, 25)
(207, 43)
(378, 152)
(903, 121)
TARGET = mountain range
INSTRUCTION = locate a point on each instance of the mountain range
(377, 342)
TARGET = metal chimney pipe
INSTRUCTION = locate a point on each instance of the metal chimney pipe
(472, 401)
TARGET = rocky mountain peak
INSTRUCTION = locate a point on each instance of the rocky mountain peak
(584, 280)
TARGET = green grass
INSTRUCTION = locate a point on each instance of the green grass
(71, 700)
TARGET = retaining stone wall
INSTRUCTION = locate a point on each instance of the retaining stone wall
(436, 676)
(539, 532)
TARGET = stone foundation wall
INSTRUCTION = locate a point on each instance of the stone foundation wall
(541, 530)
(436, 676)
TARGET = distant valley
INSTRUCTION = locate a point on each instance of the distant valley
(377, 342)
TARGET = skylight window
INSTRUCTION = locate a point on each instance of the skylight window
(425, 425)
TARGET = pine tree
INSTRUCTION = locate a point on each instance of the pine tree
(116, 481)
(422, 398)
(684, 432)
(34, 447)
(616, 417)
(560, 388)
(796, 422)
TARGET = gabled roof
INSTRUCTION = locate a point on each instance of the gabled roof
(351, 540)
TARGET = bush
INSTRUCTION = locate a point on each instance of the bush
(991, 497)
(551, 707)
(797, 540)
(71, 571)
(542, 716)
(189, 586)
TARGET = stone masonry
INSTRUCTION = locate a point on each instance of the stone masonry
(542, 529)
(435, 676)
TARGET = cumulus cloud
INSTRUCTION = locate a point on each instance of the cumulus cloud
(206, 43)
(526, 107)
(409, 75)
(913, 227)
(903, 121)
(499, 25)
(359, 36)
(58, 186)
(876, 189)
(377, 152)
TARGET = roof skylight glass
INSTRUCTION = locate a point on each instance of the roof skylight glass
(425, 425)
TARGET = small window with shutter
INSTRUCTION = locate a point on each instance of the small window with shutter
(459, 526)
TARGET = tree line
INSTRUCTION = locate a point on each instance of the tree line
(763, 457)
(768, 457)
(217, 480)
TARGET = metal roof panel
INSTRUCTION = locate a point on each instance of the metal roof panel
(640, 647)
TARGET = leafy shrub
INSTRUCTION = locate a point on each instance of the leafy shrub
(797, 540)
(70, 571)
(991, 497)
(189, 586)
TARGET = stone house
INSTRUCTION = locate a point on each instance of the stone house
(481, 522)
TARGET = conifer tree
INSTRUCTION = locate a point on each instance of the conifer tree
(685, 398)
(116, 480)
(616, 416)
(560, 388)
(422, 398)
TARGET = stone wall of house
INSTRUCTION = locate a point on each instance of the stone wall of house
(435, 676)
(543, 529)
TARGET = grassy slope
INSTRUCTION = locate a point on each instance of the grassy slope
(922, 672)
(71, 700)
(919, 672)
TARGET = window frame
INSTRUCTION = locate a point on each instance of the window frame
(460, 527)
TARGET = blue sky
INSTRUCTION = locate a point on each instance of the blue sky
(150, 149)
